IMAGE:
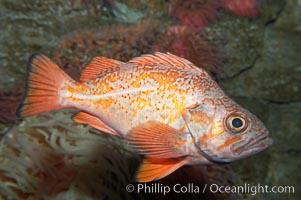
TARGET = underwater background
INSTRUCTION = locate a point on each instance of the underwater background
(251, 50)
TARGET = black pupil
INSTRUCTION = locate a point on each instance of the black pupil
(237, 123)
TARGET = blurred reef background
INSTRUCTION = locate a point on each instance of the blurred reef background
(251, 49)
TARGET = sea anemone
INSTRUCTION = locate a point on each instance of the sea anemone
(243, 7)
(194, 13)
(192, 45)
(50, 157)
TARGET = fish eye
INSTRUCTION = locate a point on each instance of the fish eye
(236, 122)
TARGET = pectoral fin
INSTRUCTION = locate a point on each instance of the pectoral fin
(86, 118)
(158, 140)
(156, 168)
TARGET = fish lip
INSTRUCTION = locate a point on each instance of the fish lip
(250, 148)
(255, 146)
(261, 144)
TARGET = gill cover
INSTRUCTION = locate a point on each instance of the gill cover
(199, 121)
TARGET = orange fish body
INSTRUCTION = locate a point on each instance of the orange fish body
(133, 94)
(167, 108)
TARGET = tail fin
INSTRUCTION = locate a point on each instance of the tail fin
(44, 79)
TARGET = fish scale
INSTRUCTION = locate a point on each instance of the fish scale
(135, 93)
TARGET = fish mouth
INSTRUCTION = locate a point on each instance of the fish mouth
(260, 144)
(254, 145)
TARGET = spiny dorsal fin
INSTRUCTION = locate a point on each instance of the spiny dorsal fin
(156, 168)
(157, 140)
(86, 118)
(167, 59)
(98, 65)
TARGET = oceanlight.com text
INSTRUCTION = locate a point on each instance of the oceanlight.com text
(213, 188)
(251, 189)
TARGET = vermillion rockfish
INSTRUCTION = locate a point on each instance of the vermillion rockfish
(164, 106)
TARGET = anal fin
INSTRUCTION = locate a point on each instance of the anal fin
(86, 118)
(156, 168)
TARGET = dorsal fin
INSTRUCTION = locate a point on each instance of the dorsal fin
(98, 65)
(167, 59)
